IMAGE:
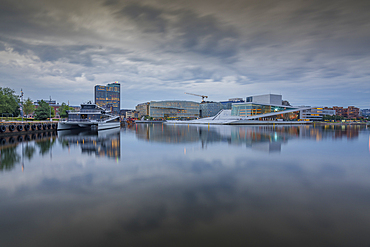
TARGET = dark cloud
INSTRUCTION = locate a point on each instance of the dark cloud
(175, 44)
(147, 18)
(201, 34)
(205, 34)
(79, 54)
(110, 2)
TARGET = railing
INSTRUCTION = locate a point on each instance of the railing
(217, 114)
(87, 110)
(86, 120)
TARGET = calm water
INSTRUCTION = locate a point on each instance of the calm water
(179, 185)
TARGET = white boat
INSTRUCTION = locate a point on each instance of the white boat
(90, 116)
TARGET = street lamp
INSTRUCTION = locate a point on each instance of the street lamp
(50, 107)
(21, 103)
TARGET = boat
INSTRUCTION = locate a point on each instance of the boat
(90, 116)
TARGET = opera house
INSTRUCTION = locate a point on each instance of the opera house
(268, 108)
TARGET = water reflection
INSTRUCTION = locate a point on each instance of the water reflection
(266, 138)
(314, 193)
(9, 157)
(14, 149)
(101, 143)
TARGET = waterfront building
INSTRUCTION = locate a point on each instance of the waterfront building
(174, 109)
(272, 107)
(315, 114)
(269, 99)
(350, 112)
(365, 112)
(353, 112)
(266, 112)
(132, 114)
(228, 104)
(122, 112)
(339, 111)
(143, 109)
(109, 96)
(209, 109)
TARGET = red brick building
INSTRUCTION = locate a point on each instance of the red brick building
(350, 112)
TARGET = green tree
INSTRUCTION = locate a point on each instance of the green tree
(45, 145)
(42, 112)
(8, 158)
(28, 107)
(29, 151)
(9, 101)
(63, 110)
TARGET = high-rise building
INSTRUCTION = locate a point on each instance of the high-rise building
(109, 96)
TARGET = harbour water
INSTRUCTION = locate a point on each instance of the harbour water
(180, 185)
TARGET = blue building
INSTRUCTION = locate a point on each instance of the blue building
(109, 97)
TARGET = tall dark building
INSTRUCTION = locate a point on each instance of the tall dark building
(109, 96)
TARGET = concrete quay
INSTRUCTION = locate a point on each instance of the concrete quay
(19, 128)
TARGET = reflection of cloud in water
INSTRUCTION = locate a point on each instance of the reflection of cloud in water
(267, 138)
(190, 200)
(277, 208)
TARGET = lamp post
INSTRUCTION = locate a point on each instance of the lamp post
(50, 107)
(21, 104)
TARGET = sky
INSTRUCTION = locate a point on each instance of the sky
(313, 52)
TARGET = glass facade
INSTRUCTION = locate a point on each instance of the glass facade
(247, 110)
(210, 109)
(174, 109)
(250, 109)
(227, 105)
(109, 97)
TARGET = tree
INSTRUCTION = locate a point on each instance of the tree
(45, 145)
(9, 101)
(334, 117)
(63, 110)
(42, 112)
(8, 158)
(28, 107)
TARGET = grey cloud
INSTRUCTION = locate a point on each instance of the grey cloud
(2, 46)
(202, 34)
(90, 77)
(205, 34)
(175, 44)
(73, 53)
(110, 2)
(147, 18)
(23, 18)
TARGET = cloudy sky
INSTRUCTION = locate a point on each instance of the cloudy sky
(314, 52)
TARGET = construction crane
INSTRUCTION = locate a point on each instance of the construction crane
(203, 96)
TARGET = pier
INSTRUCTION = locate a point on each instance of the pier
(21, 128)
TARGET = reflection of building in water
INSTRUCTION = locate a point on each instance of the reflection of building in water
(101, 143)
(264, 137)
(165, 133)
(331, 131)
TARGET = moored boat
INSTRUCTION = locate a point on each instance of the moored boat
(90, 116)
